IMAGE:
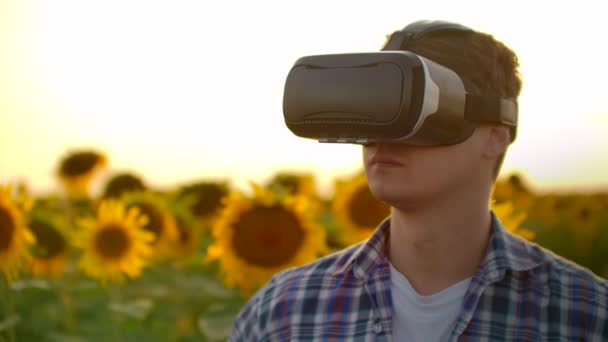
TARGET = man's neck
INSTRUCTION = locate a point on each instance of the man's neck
(437, 246)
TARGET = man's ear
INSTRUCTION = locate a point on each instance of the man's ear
(498, 140)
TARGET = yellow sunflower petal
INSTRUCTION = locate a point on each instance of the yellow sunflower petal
(512, 220)
(15, 237)
(357, 211)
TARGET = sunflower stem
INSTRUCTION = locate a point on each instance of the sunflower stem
(68, 313)
(8, 304)
(65, 296)
(113, 299)
(68, 209)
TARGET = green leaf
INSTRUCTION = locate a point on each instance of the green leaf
(138, 309)
(25, 284)
(9, 322)
(211, 287)
(216, 322)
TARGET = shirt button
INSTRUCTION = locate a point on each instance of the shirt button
(377, 328)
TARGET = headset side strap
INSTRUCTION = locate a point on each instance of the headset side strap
(491, 109)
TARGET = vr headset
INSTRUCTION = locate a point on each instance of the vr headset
(389, 96)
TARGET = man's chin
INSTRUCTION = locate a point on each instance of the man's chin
(386, 193)
(397, 196)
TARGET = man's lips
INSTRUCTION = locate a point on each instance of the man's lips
(386, 161)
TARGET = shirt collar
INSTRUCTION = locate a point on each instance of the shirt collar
(369, 254)
(505, 252)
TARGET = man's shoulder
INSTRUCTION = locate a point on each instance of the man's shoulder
(293, 291)
(568, 279)
(314, 275)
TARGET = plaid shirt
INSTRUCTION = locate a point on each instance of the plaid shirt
(520, 292)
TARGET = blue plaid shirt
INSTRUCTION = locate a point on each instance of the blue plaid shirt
(520, 292)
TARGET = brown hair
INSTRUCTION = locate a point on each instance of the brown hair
(477, 57)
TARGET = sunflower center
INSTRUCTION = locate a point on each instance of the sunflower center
(267, 236)
(560, 205)
(365, 210)
(184, 236)
(7, 229)
(121, 184)
(207, 198)
(79, 163)
(155, 223)
(49, 242)
(112, 242)
(184, 231)
(585, 214)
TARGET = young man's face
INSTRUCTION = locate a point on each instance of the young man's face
(403, 175)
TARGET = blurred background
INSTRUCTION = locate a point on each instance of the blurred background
(180, 90)
(148, 184)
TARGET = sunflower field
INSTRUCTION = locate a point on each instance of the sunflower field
(137, 262)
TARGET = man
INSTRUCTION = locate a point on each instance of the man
(441, 267)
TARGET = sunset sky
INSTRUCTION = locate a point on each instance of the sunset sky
(185, 90)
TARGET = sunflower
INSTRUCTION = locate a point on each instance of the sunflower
(293, 183)
(204, 199)
(257, 236)
(114, 244)
(14, 235)
(300, 184)
(584, 220)
(584, 212)
(189, 232)
(50, 252)
(357, 211)
(513, 189)
(161, 222)
(551, 209)
(122, 183)
(77, 169)
(512, 220)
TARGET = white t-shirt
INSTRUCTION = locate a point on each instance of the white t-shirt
(424, 318)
